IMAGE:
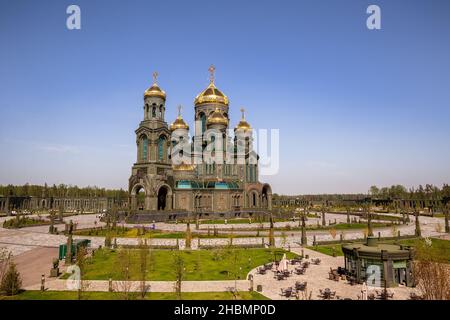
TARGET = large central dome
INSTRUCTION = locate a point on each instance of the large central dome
(211, 94)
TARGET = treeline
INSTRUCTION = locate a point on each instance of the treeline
(60, 191)
(429, 192)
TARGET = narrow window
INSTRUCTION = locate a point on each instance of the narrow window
(144, 148)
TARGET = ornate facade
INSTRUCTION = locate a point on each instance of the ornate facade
(212, 172)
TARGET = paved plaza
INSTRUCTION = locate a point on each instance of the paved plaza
(33, 250)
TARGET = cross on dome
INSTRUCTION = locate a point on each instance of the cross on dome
(211, 70)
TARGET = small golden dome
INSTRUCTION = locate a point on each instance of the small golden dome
(243, 124)
(183, 167)
(211, 94)
(179, 123)
(217, 118)
(155, 90)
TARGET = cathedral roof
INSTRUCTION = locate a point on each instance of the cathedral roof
(243, 124)
(183, 167)
(179, 123)
(217, 118)
(155, 90)
(211, 94)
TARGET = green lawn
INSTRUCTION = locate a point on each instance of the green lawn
(328, 249)
(440, 246)
(71, 295)
(23, 222)
(153, 234)
(217, 264)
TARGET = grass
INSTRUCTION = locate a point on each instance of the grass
(439, 246)
(152, 234)
(217, 264)
(21, 222)
(328, 249)
(244, 221)
(71, 295)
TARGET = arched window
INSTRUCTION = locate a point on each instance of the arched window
(203, 120)
(154, 111)
(161, 111)
(161, 142)
(213, 143)
(144, 148)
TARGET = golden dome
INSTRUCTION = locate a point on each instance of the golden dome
(183, 167)
(155, 90)
(211, 94)
(179, 123)
(243, 124)
(217, 118)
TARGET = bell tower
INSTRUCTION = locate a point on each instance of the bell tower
(153, 166)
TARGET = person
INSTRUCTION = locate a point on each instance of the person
(364, 291)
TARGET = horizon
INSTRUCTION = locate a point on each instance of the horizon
(354, 107)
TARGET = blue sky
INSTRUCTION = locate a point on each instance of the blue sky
(354, 107)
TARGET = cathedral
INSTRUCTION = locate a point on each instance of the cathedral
(214, 172)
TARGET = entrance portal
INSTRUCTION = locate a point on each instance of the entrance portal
(162, 195)
(140, 196)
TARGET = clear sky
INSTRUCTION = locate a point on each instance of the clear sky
(354, 107)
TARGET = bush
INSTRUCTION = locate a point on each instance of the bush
(11, 282)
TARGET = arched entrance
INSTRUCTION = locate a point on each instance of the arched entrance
(266, 197)
(253, 199)
(138, 198)
(162, 198)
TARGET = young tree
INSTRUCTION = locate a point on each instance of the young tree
(418, 232)
(271, 234)
(188, 236)
(324, 223)
(81, 262)
(61, 213)
(179, 270)
(10, 280)
(304, 240)
(143, 267)
(124, 285)
(51, 228)
(446, 216)
(283, 239)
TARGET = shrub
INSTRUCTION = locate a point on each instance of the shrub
(11, 282)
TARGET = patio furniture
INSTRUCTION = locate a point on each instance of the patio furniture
(316, 261)
(279, 276)
(300, 271)
(286, 273)
(262, 271)
(385, 295)
(351, 280)
(300, 286)
(415, 296)
(286, 292)
(325, 294)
